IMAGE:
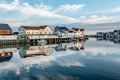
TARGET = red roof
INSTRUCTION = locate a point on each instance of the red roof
(70, 31)
(76, 29)
(81, 29)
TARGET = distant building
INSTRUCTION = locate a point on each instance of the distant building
(99, 34)
(5, 29)
(117, 33)
(35, 30)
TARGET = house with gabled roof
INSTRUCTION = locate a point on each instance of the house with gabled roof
(78, 32)
(5, 29)
(35, 30)
(65, 32)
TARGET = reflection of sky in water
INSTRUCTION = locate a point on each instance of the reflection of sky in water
(98, 61)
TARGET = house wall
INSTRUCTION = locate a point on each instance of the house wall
(32, 31)
(5, 32)
(47, 30)
(22, 31)
(70, 35)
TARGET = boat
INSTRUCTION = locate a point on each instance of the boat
(42, 42)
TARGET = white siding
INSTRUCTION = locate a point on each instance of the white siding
(22, 31)
(11, 37)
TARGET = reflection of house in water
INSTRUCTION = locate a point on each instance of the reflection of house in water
(61, 47)
(70, 46)
(115, 40)
(45, 50)
(113, 36)
(77, 47)
(5, 56)
(6, 53)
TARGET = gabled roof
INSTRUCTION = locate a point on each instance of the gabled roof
(81, 29)
(77, 29)
(62, 28)
(70, 31)
(5, 27)
(30, 27)
(61, 31)
(34, 27)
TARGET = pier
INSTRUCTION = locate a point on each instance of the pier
(28, 39)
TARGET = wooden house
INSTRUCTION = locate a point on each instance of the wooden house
(5, 29)
(35, 30)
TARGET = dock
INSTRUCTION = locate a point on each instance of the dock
(28, 39)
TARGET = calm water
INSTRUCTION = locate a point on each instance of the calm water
(90, 60)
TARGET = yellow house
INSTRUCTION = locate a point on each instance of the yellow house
(35, 30)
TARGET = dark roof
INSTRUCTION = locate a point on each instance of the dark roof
(5, 27)
(61, 28)
(31, 27)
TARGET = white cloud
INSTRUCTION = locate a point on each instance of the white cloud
(70, 8)
(11, 6)
(27, 10)
(117, 9)
(82, 17)
(70, 63)
(105, 11)
(94, 16)
(99, 19)
(40, 11)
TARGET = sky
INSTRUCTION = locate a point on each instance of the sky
(42, 12)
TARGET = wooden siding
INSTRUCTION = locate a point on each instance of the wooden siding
(5, 32)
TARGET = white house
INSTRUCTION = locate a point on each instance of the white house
(35, 30)
(74, 32)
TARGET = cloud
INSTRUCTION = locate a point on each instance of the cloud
(105, 11)
(117, 9)
(93, 19)
(70, 63)
(69, 8)
(41, 11)
(25, 10)
(9, 7)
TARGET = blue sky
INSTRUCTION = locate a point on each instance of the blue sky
(41, 12)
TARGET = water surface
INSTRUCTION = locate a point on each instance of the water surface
(90, 60)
